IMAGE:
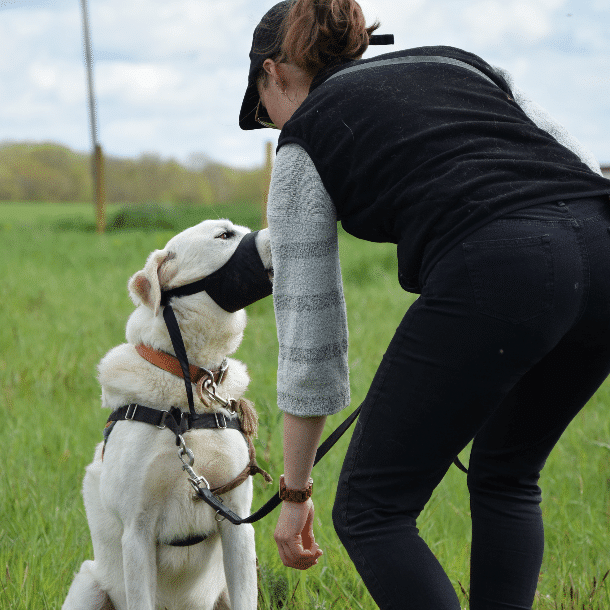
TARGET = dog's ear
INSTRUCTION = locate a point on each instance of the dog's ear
(145, 286)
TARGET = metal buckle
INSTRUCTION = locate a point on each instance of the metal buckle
(162, 422)
(133, 413)
(224, 420)
(209, 374)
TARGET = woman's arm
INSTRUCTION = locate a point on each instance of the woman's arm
(294, 531)
(312, 333)
(301, 439)
(311, 319)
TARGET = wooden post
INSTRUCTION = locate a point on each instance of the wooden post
(98, 157)
(267, 179)
(100, 194)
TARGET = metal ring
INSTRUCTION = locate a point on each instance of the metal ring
(185, 450)
(210, 386)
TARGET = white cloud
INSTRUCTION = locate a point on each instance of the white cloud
(137, 84)
(487, 21)
(44, 77)
(170, 76)
(156, 29)
(483, 22)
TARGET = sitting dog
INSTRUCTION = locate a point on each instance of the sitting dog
(156, 545)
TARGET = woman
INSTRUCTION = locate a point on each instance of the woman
(501, 223)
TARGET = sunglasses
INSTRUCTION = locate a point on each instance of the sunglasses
(263, 122)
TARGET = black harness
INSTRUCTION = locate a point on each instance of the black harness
(178, 422)
(175, 420)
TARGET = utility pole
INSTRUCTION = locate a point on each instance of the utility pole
(98, 157)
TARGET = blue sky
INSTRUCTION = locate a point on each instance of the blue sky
(170, 74)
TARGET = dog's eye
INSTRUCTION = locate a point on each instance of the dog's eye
(225, 235)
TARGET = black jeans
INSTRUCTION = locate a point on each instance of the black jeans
(507, 342)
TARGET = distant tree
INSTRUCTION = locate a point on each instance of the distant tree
(50, 172)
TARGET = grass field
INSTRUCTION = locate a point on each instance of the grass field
(64, 304)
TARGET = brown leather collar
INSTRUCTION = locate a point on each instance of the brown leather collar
(170, 363)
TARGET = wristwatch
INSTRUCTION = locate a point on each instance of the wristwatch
(295, 495)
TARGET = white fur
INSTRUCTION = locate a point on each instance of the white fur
(138, 497)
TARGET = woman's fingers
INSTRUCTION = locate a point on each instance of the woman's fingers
(294, 536)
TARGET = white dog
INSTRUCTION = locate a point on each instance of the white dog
(137, 498)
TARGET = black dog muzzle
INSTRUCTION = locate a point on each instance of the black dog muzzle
(241, 281)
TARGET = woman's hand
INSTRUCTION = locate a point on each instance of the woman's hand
(294, 535)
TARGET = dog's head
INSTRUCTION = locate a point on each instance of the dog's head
(191, 255)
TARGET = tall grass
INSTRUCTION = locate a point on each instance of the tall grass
(65, 304)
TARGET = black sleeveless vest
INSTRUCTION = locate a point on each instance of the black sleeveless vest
(422, 154)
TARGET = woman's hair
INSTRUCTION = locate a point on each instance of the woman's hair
(317, 33)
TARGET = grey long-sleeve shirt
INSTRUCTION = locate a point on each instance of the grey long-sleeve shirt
(310, 312)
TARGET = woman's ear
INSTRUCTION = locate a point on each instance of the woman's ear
(145, 286)
(270, 68)
(274, 74)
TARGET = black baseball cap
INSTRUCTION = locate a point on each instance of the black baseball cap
(267, 42)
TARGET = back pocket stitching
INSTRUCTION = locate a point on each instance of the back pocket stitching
(483, 300)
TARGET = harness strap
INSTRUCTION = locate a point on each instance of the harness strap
(217, 504)
(175, 420)
(189, 541)
(171, 364)
(179, 422)
(250, 470)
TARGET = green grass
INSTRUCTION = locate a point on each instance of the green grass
(80, 217)
(65, 304)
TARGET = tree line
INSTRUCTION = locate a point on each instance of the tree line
(51, 172)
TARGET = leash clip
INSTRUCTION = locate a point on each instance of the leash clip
(209, 387)
(194, 479)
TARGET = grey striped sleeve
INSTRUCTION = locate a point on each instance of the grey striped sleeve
(312, 377)
(545, 121)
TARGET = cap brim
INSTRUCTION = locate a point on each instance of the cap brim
(266, 38)
(247, 114)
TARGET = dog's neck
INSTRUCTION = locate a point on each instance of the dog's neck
(209, 336)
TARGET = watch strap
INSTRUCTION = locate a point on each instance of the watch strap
(295, 495)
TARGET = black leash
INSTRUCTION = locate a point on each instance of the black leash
(176, 336)
(204, 493)
(217, 504)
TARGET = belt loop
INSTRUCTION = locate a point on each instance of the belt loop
(184, 422)
(161, 425)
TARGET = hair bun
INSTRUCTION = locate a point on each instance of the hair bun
(322, 32)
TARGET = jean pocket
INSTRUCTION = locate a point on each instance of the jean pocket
(512, 279)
